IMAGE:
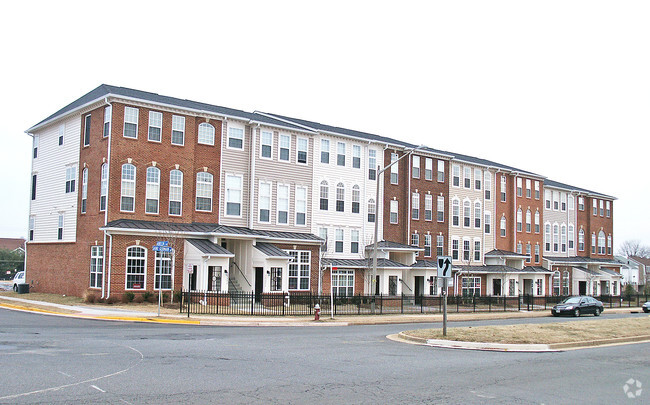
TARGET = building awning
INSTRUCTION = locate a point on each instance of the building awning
(272, 251)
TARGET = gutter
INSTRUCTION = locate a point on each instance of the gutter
(108, 179)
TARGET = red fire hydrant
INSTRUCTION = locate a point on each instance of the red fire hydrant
(317, 312)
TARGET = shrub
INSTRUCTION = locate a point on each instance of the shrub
(149, 296)
(127, 297)
(90, 297)
(112, 300)
(629, 292)
(138, 299)
(177, 296)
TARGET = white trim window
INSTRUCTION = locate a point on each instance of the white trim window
(563, 237)
(301, 205)
(608, 209)
(84, 190)
(428, 169)
(520, 189)
(131, 122)
(581, 203)
(471, 286)
(59, 230)
(478, 214)
(415, 206)
(325, 151)
(343, 283)
(581, 240)
(354, 241)
(428, 207)
(175, 192)
(155, 126)
(441, 171)
(427, 245)
(556, 238)
(529, 221)
(87, 125)
(96, 266)
(563, 202)
(372, 164)
(537, 221)
(455, 248)
(602, 207)
(61, 134)
(103, 192)
(455, 212)
(153, 190)
(503, 188)
(415, 169)
(440, 245)
(302, 147)
(528, 188)
(340, 197)
(204, 181)
(537, 190)
(205, 134)
(35, 146)
(372, 209)
(299, 269)
(32, 221)
(284, 148)
(478, 178)
(108, 116)
(324, 195)
(593, 242)
(488, 222)
(415, 239)
(340, 153)
(235, 137)
(163, 271)
(466, 249)
(503, 226)
(467, 213)
(266, 144)
(394, 207)
(594, 203)
(394, 169)
(571, 237)
(136, 265)
(477, 250)
(356, 156)
(609, 244)
(487, 185)
(519, 220)
(467, 177)
(178, 130)
(536, 253)
(127, 198)
(356, 199)
(338, 240)
(70, 179)
(264, 202)
(547, 237)
(283, 204)
(233, 195)
(601, 243)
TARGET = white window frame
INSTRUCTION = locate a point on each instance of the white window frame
(340, 154)
(394, 212)
(155, 122)
(428, 207)
(96, 266)
(325, 151)
(441, 171)
(266, 142)
(343, 283)
(204, 189)
(206, 134)
(394, 169)
(428, 169)
(339, 240)
(235, 134)
(162, 278)
(354, 241)
(60, 227)
(301, 205)
(131, 116)
(84, 190)
(128, 187)
(415, 166)
(356, 157)
(487, 185)
(234, 185)
(264, 201)
(70, 179)
(282, 202)
(103, 189)
(467, 177)
(284, 143)
(304, 148)
(152, 190)
(415, 206)
(176, 192)
(178, 129)
(108, 116)
(143, 267)
(87, 127)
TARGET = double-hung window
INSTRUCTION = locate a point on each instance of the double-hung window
(467, 177)
(70, 178)
(503, 226)
(283, 204)
(356, 156)
(233, 195)
(455, 248)
(302, 147)
(356, 199)
(563, 238)
(108, 114)
(478, 178)
(440, 245)
(178, 130)
(488, 222)
(372, 164)
(455, 212)
(206, 134)
(477, 250)
(340, 153)
(441, 171)
(325, 151)
(529, 221)
(536, 221)
(415, 170)
(371, 210)
(87, 121)
(324, 195)
(155, 126)
(428, 207)
(427, 245)
(519, 220)
(136, 264)
(340, 197)
(153, 190)
(103, 193)
(608, 209)
(59, 233)
(441, 209)
(394, 169)
(266, 142)
(520, 189)
(84, 190)
(415, 206)
(31, 228)
(528, 190)
(455, 176)
(204, 191)
(354, 241)
(415, 239)
(285, 147)
(394, 205)
(537, 190)
(96, 266)
(175, 192)
(35, 147)
(503, 188)
(127, 200)
(428, 169)
(236, 138)
(131, 122)
(477, 215)
(338, 240)
(301, 205)
(343, 283)
(264, 203)
(467, 213)
(34, 177)
(163, 271)
(487, 185)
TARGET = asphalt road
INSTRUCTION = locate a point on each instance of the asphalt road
(47, 359)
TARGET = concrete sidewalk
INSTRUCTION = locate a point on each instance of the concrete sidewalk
(116, 314)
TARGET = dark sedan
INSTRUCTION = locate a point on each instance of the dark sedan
(578, 305)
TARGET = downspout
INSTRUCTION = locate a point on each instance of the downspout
(514, 212)
(409, 196)
(251, 181)
(31, 173)
(108, 162)
(110, 257)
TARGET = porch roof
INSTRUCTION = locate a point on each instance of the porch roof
(364, 263)
(393, 246)
(210, 249)
(504, 253)
(205, 230)
(272, 251)
(578, 260)
(425, 264)
(500, 269)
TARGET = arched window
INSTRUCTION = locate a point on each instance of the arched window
(324, 195)
(547, 237)
(127, 200)
(601, 243)
(455, 212)
(104, 187)
(340, 197)
(565, 283)
(356, 198)
(477, 214)
(556, 283)
(206, 134)
(503, 225)
(203, 191)
(529, 221)
(153, 190)
(372, 209)
(136, 265)
(556, 237)
(581, 240)
(519, 220)
(467, 213)
(175, 192)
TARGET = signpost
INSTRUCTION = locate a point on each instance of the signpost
(444, 272)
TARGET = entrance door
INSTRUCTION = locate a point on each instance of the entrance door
(377, 285)
(496, 286)
(214, 278)
(528, 286)
(193, 276)
(582, 287)
(419, 289)
(259, 283)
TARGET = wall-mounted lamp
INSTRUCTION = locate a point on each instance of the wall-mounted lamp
(268, 272)
(225, 272)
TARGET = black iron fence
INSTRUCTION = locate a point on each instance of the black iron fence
(296, 304)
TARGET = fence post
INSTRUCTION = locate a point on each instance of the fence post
(422, 304)
(402, 303)
(474, 303)
(505, 302)
(519, 302)
(381, 303)
(490, 304)
(252, 301)
(189, 301)
(180, 309)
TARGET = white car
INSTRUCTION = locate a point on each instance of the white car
(19, 278)
(646, 307)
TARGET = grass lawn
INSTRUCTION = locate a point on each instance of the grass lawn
(559, 332)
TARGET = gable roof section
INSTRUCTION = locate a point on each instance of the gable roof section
(271, 250)
(210, 249)
(363, 263)
(504, 253)
(393, 246)
(12, 243)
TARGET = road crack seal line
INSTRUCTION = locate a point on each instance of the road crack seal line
(24, 394)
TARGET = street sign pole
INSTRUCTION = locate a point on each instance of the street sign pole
(444, 306)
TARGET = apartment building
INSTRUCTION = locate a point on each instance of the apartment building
(266, 203)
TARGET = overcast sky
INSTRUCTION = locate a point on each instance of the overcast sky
(559, 88)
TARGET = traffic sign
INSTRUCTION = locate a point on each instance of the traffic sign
(444, 266)
(162, 243)
(165, 249)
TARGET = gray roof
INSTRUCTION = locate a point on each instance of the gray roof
(271, 250)
(106, 90)
(388, 245)
(557, 184)
(363, 263)
(208, 229)
(500, 269)
(425, 264)
(209, 248)
(581, 260)
(484, 162)
(499, 252)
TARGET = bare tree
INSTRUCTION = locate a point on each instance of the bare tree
(633, 248)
